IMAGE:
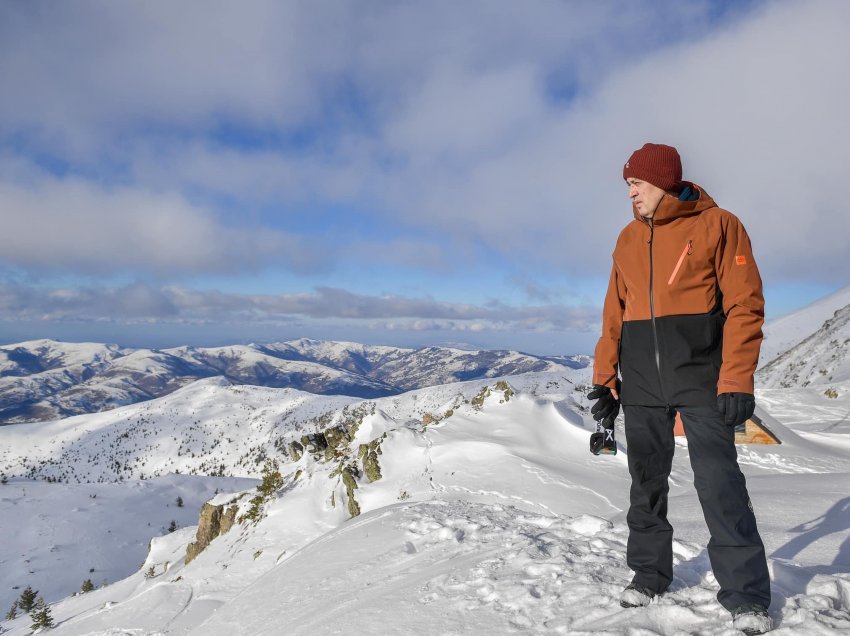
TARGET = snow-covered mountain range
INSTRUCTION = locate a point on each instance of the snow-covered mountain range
(44, 379)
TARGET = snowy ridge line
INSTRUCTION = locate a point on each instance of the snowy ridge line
(210, 427)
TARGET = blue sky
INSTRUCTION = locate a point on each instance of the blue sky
(402, 173)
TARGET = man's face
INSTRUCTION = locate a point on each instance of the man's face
(645, 196)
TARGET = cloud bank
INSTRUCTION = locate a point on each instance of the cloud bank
(145, 303)
(440, 138)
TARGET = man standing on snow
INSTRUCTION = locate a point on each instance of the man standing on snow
(682, 326)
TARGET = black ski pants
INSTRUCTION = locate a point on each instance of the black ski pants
(735, 548)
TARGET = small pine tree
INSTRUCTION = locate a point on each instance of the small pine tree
(150, 573)
(27, 600)
(179, 502)
(40, 615)
(272, 480)
(13, 612)
(88, 586)
(173, 526)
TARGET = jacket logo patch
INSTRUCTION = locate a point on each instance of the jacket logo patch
(740, 259)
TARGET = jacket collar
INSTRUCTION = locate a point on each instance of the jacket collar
(672, 208)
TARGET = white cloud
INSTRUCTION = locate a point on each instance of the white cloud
(98, 64)
(459, 136)
(74, 225)
(759, 114)
(760, 119)
(465, 114)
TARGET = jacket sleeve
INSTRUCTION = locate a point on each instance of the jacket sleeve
(743, 304)
(607, 353)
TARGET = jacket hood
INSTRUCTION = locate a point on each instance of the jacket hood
(672, 208)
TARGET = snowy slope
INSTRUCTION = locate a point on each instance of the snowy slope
(459, 567)
(784, 333)
(492, 518)
(67, 533)
(209, 427)
(821, 359)
(108, 446)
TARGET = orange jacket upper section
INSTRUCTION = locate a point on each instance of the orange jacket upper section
(698, 249)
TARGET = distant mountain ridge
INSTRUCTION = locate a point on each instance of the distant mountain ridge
(45, 379)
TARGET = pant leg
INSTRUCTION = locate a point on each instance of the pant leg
(735, 549)
(649, 435)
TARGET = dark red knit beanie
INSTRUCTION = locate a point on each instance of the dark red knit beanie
(658, 164)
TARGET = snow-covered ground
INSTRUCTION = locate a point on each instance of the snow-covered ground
(55, 536)
(490, 516)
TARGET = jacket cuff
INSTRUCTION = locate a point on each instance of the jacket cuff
(606, 379)
(735, 385)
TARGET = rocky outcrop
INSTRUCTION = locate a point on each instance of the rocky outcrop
(505, 388)
(324, 445)
(296, 450)
(349, 479)
(214, 521)
(348, 474)
(337, 437)
(314, 442)
(369, 457)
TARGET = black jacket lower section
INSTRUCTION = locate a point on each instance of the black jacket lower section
(690, 349)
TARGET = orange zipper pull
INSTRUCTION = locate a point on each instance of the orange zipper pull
(685, 252)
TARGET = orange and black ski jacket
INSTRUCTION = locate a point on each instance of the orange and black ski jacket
(683, 314)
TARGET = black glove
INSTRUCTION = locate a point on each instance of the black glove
(736, 408)
(605, 413)
(606, 404)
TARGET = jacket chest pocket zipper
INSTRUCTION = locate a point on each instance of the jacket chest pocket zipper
(689, 249)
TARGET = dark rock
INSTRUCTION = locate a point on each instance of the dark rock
(214, 521)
